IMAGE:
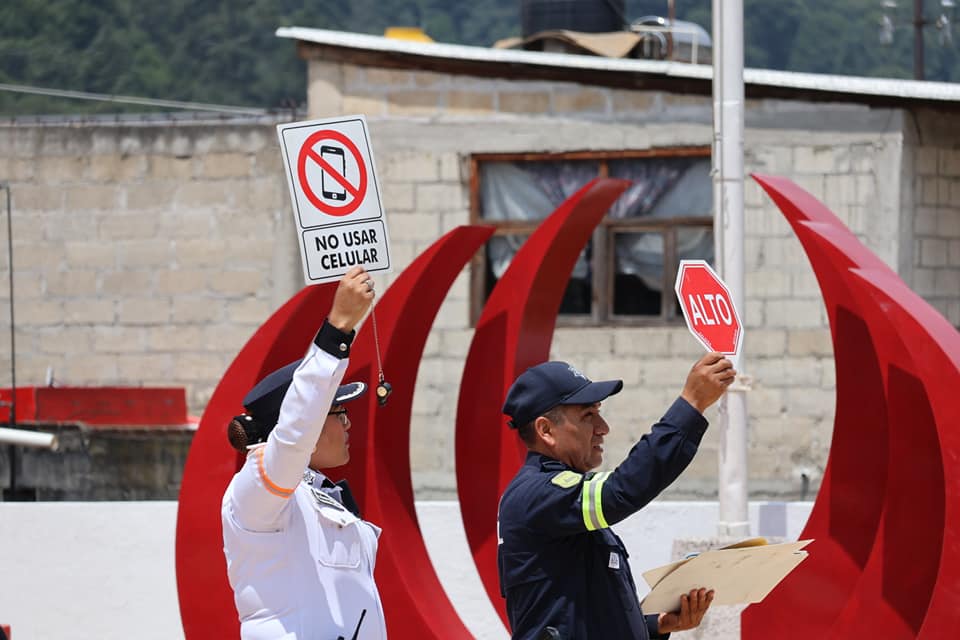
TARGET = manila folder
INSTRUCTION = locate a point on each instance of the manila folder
(738, 575)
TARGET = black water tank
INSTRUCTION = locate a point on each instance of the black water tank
(591, 16)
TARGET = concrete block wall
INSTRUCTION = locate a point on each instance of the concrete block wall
(148, 254)
(425, 126)
(850, 156)
(143, 254)
(934, 235)
(336, 88)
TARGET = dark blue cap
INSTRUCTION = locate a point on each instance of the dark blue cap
(264, 400)
(263, 406)
(543, 387)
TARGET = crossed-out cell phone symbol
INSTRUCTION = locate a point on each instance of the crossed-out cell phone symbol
(330, 186)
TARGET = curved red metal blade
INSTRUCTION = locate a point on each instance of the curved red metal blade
(514, 332)
(414, 601)
(880, 520)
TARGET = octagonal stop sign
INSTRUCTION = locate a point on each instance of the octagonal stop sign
(708, 308)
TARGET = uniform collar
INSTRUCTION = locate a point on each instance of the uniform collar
(339, 491)
(540, 462)
(317, 479)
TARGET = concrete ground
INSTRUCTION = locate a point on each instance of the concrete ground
(105, 570)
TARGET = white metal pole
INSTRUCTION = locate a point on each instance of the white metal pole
(728, 126)
(23, 438)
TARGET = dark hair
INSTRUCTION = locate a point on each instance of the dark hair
(243, 431)
(528, 433)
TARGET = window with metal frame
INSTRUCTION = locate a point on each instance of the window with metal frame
(625, 274)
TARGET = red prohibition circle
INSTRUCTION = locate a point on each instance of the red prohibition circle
(358, 191)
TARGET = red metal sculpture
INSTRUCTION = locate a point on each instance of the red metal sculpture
(514, 333)
(886, 560)
(928, 385)
(415, 604)
(379, 473)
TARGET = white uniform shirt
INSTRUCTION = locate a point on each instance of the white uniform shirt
(300, 564)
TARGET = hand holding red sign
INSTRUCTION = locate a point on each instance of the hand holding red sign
(708, 380)
(708, 308)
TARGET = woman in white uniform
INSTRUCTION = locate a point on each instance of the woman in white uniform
(299, 557)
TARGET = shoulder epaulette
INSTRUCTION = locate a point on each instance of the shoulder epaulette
(566, 479)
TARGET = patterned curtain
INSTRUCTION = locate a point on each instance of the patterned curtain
(529, 191)
(661, 188)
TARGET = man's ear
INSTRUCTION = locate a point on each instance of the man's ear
(543, 427)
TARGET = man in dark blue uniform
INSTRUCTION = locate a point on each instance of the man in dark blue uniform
(562, 570)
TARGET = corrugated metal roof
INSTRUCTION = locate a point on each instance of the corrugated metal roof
(851, 86)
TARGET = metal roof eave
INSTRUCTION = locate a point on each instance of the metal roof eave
(622, 72)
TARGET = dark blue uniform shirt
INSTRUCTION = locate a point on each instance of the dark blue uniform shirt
(560, 564)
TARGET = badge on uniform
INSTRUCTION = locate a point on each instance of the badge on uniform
(566, 479)
(614, 560)
(323, 498)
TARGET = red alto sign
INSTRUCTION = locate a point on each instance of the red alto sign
(708, 308)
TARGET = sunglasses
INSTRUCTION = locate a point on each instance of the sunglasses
(341, 416)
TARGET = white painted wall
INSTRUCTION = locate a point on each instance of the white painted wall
(105, 570)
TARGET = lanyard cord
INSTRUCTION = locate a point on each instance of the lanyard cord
(383, 387)
(376, 344)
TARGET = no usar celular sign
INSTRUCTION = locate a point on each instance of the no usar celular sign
(335, 197)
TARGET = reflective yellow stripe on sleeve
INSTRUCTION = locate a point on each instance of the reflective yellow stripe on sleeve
(592, 502)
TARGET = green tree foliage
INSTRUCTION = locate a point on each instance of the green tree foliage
(827, 36)
(222, 51)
